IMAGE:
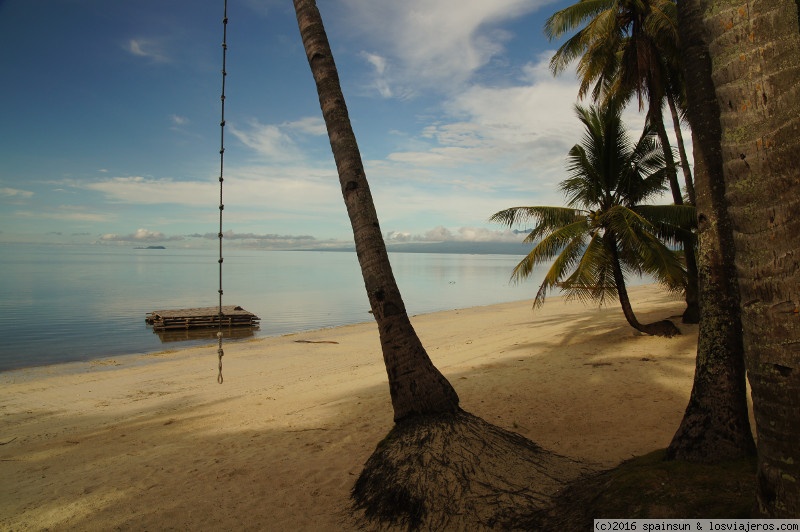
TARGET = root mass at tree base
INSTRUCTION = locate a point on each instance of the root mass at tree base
(457, 471)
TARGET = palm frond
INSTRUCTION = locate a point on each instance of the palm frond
(569, 18)
(545, 218)
(549, 247)
(592, 280)
(678, 216)
(563, 263)
(641, 250)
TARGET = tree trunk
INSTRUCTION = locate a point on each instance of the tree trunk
(752, 58)
(687, 170)
(658, 121)
(692, 312)
(716, 425)
(415, 385)
(659, 328)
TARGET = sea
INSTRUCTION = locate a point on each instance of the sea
(65, 303)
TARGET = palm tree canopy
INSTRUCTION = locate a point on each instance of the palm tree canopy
(623, 47)
(608, 179)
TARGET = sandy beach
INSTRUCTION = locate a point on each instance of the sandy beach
(152, 442)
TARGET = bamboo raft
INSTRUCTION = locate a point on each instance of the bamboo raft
(200, 318)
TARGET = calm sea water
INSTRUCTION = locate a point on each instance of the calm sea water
(68, 303)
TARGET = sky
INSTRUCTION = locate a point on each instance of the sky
(110, 131)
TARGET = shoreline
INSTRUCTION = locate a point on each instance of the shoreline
(127, 442)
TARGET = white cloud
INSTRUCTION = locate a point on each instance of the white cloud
(179, 120)
(435, 42)
(146, 191)
(147, 48)
(15, 193)
(140, 235)
(278, 143)
(379, 83)
(494, 139)
(310, 125)
(462, 234)
(65, 214)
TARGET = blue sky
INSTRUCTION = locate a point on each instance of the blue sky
(110, 130)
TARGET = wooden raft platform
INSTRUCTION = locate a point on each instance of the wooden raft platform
(200, 318)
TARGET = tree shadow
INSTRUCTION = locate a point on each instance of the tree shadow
(181, 461)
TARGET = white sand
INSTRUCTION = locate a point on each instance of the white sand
(152, 442)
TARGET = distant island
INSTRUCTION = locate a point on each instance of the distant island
(150, 247)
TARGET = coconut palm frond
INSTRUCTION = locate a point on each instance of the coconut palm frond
(569, 18)
(604, 232)
(548, 248)
(641, 250)
(671, 222)
(593, 278)
(546, 218)
(565, 261)
(553, 219)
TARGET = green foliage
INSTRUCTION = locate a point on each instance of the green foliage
(623, 47)
(608, 179)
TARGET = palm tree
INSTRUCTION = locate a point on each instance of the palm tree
(716, 424)
(750, 144)
(440, 468)
(622, 51)
(627, 48)
(605, 231)
(415, 385)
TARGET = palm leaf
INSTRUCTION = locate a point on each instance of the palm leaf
(564, 262)
(592, 279)
(641, 250)
(549, 247)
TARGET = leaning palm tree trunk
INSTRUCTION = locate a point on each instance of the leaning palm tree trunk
(440, 467)
(415, 385)
(659, 328)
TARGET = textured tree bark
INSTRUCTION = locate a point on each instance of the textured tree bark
(753, 55)
(415, 385)
(715, 426)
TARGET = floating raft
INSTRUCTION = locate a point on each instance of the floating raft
(200, 318)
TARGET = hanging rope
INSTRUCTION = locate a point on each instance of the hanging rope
(220, 352)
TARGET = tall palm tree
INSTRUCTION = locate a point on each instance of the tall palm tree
(605, 231)
(752, 143)
(623, 50)
(626, 48)
(440, 468)
(415, 385)
(716, 424)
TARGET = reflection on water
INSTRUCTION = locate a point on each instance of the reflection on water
(63, 303)
(210, 334)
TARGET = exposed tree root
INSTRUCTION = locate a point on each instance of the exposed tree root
(661, 328)
(457, 471)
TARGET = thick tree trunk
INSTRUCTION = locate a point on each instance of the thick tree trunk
(716, 425)
(659, 328)
(751, 50)
(415, 385)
